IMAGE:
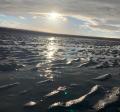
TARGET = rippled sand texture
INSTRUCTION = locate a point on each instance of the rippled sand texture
(58, 74)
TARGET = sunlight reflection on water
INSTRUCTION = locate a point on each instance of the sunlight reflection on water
(51, 49)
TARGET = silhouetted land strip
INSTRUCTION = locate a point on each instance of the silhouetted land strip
(13, 30)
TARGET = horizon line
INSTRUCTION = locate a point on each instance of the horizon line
(61, 34)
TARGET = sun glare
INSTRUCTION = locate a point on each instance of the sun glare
(54, 15)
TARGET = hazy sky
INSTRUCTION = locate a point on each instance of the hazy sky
(81, 17)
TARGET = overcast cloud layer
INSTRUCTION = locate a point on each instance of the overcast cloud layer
(100, 17)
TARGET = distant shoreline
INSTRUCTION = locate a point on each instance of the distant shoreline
(58, 35)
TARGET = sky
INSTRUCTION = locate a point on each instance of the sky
(79, 17)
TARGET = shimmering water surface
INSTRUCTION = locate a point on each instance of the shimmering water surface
(37, 65)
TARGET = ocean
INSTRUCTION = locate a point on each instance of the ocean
(39, 70)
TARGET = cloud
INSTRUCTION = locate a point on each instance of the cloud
(98, 14)
(95, 8)
(34, 17)
(21, 17)
(11, 24)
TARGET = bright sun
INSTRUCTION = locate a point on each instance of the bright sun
(54, 15)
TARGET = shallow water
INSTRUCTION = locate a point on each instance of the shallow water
(41, 64)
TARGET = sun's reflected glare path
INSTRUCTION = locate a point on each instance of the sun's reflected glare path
(51, 49)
